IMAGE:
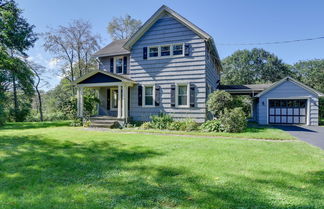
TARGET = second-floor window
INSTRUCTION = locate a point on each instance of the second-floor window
(164, 51)
(119, 65)
(154, 51)
(178, 49)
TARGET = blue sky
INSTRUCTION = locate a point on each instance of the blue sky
(227, 21)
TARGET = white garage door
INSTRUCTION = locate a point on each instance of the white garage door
(287, 111)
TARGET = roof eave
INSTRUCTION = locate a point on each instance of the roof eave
(110, 55)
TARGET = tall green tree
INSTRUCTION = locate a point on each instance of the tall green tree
(16, 37)
(123, 27)
(311, 73)
(252, 67)
(73, 46)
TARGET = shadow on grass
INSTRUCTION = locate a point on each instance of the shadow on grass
(32, 125)
(36, 172)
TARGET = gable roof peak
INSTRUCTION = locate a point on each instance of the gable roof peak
(288, 78)
(158, 14)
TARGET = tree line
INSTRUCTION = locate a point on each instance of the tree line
(21, 97)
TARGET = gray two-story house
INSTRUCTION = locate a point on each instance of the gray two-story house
(170, 66)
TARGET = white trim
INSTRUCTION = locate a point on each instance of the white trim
(143, 95)
(171, 51)
(99, 84)
(117, 76)
(111, 99)
(291, 98)
(115, 62)
(177, 94)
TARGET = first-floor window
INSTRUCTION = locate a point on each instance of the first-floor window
(148, 95)
(182, 95)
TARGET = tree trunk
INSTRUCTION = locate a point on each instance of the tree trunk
(40, 104)
(15, 99)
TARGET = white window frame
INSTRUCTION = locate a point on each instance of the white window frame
(160, 49)
(111, 99)
(183, 50)
(171, 51)
(148, 52)
(143, 95)
(177, 95)
(115, 64)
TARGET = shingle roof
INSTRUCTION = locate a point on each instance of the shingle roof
(246, 87)
(114, 48)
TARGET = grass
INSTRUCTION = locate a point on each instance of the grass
(252, 132)
(46, 166)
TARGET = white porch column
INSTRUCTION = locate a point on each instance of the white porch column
(80, 102)
(119, 109)
(125, 102)
(98, 97)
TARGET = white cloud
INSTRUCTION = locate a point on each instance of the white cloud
(53, 63)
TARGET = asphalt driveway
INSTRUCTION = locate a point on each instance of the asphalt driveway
(311, 134)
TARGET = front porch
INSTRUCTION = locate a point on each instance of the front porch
(111, 90)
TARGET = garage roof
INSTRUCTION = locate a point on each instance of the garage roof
(245, 89)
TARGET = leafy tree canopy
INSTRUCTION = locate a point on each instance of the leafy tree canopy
(311, 73)
(123, 27)
(252, 67)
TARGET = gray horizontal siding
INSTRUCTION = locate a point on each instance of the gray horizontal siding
(288, 90)
(167, 71)
(104, 63)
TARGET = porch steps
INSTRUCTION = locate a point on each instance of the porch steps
(103, 121)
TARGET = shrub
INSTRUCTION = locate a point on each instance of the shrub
(161, 121)
(218, 101)
(211, 126)
(175, 126)
(146, 125)
(189, 125)
(184, 125)
(76, 122)
(233, 120)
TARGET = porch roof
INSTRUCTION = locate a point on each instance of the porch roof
(100, 77)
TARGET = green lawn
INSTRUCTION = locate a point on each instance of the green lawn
(252, 132)
(53, 166)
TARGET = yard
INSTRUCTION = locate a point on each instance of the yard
(51, 165)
